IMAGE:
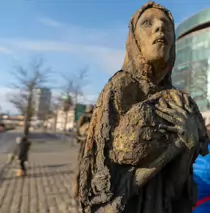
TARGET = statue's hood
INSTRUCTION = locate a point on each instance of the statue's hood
(134, 61)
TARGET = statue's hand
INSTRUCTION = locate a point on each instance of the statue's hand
(182, 118)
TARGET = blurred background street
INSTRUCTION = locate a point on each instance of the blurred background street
(49, 184)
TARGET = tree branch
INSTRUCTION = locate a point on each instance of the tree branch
(26, 80)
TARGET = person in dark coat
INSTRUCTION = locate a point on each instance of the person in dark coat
(22, 149)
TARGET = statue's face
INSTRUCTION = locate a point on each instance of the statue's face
(155, 35)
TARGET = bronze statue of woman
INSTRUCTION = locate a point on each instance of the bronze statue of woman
(144, 134)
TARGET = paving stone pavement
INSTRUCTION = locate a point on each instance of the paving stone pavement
(48, 187)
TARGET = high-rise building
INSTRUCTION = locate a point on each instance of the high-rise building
(42, 101)
(192, 67)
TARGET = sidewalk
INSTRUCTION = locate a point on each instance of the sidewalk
(48, 186)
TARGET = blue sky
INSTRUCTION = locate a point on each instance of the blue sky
(71, 35)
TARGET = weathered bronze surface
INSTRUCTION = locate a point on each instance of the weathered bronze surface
(144, 134)
(82, 132)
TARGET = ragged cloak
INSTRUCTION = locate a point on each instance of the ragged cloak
(124, 143)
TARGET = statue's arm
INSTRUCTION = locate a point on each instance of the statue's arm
(135, 143)
(137, 153)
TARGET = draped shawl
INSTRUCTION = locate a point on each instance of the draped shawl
(123, 137)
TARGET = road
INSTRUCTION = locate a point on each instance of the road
(7, 139)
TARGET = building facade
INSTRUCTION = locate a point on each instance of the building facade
(65, 120)
(61, 121)
(42, 102)
(191, 72)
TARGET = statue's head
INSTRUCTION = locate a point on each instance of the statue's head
(155, 35)
(151, 41)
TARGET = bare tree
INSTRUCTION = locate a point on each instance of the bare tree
(19, 102)
(73, 90)
(26, 80)
(74, 84)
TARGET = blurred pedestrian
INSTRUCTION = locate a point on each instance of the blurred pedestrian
(22, 149)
